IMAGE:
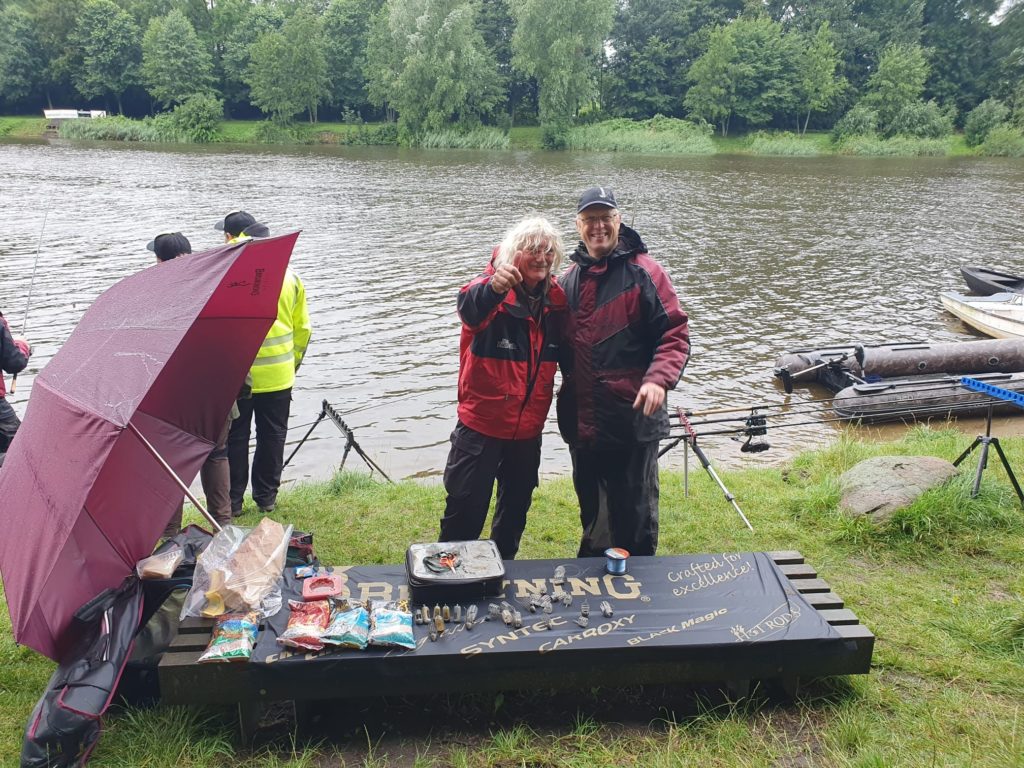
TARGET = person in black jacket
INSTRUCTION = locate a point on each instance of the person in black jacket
(14, 354)
(625, 346)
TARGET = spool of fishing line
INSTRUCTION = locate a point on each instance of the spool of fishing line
(616, 562)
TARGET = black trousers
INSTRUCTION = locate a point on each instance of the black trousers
(474, 463)
(9, 423)
(618, 494)
(271, 410)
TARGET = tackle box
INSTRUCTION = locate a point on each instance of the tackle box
(454, 571)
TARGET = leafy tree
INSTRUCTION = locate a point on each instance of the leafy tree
(21, 55)
(427, 60)
(818, 87)
(287, 72)
(241, 26)
(495, 22)
(54, 22)
(715, 76)
(559, 42)
(897, 83)
(346, 28)
(982, 119)
(175, 64)
(748, 70)
(106, 38)
(958, 37)
(859, 121)
(769, 57)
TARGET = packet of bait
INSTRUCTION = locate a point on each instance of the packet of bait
(234, 636)
(306, 624)
(349, 626)
(390, 625)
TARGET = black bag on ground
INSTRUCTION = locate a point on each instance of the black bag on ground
(65, 724)
(453, 571)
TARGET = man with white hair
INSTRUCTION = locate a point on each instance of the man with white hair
(512, 318)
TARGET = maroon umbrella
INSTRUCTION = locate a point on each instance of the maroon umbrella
(126, 412)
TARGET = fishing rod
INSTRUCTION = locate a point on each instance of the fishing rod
(31, 285)
(788, 378)
(749, 430)
(818, 406)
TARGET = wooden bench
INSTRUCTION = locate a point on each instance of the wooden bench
(251, 686)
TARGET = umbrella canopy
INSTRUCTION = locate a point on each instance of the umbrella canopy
(161, 355)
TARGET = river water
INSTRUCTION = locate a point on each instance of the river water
(767, 254)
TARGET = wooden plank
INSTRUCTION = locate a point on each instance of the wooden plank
(798, 571)
(839, 616)
(824, 600)
(786, 557)
(810, 586)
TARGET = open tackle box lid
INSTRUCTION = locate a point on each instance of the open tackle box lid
(449, 571)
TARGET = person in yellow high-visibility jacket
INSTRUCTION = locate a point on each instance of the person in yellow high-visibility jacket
(273, 374)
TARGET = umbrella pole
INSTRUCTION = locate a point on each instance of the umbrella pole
(171, 472)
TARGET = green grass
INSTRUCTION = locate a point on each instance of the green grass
(22, 127)
(941, 586)
(659, 135)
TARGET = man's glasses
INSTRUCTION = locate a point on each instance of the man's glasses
(605, 219)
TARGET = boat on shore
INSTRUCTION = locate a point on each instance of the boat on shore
(922, 398)
(840, 366)
(1000, 315)
(985, 282)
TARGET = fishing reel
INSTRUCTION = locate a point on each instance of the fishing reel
(755, 428)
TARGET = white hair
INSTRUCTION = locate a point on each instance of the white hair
(530, 233)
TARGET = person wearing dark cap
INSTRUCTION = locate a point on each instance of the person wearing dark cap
(169, 245)
(273, 375)
(214, 474)
(626, 344)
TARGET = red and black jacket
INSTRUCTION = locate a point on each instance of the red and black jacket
(625, 328)
(13, 354)
(507, 359)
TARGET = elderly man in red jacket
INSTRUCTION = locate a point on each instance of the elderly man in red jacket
(512, 318)
(626, 344)
(14, 355)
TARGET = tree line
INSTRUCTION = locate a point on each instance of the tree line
(902, 66)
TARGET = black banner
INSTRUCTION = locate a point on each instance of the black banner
(677, 603)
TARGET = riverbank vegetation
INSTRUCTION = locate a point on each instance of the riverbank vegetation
(940, 585)
(892, 79)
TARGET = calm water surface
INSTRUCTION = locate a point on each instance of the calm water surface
(767, 254)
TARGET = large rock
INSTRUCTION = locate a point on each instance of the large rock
(878, 487)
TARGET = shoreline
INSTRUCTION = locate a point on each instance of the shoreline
(528, 138)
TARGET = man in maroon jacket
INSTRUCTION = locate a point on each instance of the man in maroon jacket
(626, 344)
(14, 355)
(512, 317)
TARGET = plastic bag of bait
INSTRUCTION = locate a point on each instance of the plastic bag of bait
(306, 625)
(349, 627)
(390, 625)
(234, 636)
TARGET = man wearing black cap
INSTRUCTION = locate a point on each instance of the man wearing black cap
(273, 374)
(626, 344)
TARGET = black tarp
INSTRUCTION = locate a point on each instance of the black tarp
(695, 609)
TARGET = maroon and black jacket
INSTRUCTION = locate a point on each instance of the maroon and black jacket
(507, 360)
(625, 327)
(13, 354)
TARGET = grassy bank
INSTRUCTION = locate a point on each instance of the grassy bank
(611, 136)
(22, 127)
(941, 586)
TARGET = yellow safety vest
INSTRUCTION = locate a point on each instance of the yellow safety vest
(282, 351)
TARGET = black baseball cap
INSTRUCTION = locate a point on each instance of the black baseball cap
(597, 196)
(169, 245)
(235, 223)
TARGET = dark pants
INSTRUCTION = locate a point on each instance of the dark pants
(474, 462)
(216, 480)
(618, 495)
(271, 410)
(9, 423)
